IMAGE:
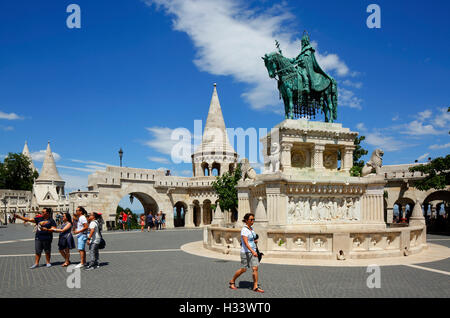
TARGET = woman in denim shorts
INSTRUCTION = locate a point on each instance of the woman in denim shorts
(249, 256)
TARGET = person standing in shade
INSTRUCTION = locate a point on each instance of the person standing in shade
(81, 232)
(44, 237)
(163, 220)
(65, 242)
(249, 256)
(94, 239)
(142, 222)
(124, 219)
(149, 221)
(129, 217)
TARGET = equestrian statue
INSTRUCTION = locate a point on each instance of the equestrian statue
(305, 88)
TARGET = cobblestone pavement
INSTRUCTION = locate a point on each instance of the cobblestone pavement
(136, 264)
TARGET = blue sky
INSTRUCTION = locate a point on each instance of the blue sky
(137, 69)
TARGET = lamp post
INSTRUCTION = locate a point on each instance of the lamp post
(120, 156)
(5, 201)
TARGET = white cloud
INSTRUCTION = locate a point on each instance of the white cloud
(423, 157)
(73, 183)
(360, 126)
(6, 128)
(434, 147)
(418, 128)
(386, 143)
(172, 142)
(91, 162)
(39, 156)
(86, 169)
(230, 39)
(10, 116)
(424, 115)
(159, 160)
(442, 120)
(352, 84)
(348, 98)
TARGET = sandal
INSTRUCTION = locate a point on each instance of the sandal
(232, 285)
(258, 290)
(65, 264)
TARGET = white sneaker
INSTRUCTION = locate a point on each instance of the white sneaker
(79, 265)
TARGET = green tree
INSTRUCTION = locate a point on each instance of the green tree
(16, 173)
(134, 218)
(225, 187)
(437, 171)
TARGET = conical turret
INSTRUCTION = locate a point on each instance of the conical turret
(215, 151)
(26, 153)
(49, 171)
(215, 137)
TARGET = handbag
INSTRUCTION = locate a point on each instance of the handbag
(260, 254)
(102, 243)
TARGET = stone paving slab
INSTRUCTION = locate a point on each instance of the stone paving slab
(152, 265)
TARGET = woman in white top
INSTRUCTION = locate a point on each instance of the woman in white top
(249, 256)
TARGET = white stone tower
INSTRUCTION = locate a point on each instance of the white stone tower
(26, 153)
(49, 187)
(215, 155)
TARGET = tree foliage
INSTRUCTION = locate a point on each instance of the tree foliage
(16, 173)
(225, 187)
(438, 174)
(359, 151)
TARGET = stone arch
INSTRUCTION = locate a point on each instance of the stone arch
(180, 209)
(215, 169)
(146, 194)
(407, 204)
(205, 169)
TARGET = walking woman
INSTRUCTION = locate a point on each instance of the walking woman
(142, 218)
(66, 241)
(249, 257)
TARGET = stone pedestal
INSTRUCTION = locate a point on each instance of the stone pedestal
(312, 207)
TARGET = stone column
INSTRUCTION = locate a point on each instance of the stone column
(201, 215)
(347, 158)
(285, 158)
(390, 215)
(417, 215)
(243, 202)
(318, 157)
(189, 216)
(276, 205)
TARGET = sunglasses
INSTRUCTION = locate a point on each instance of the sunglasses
(251, 219)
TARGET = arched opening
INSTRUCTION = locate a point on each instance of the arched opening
(207, 212)
(179, 212)
(403, 208)
(205, 169)
(231, 168)
(137, 205)
(215, 169)
(437, 212)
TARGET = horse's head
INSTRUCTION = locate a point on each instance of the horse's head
(270, 63)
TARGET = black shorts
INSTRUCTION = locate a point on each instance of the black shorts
(40, 246)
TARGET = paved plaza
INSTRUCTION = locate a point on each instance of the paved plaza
(136, 264)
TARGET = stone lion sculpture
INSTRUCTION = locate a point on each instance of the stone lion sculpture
(273, 160)
(247, 170)
(374, 164)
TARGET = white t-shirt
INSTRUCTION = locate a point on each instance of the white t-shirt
(96, 236)
(81, 221)
(250, 237)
